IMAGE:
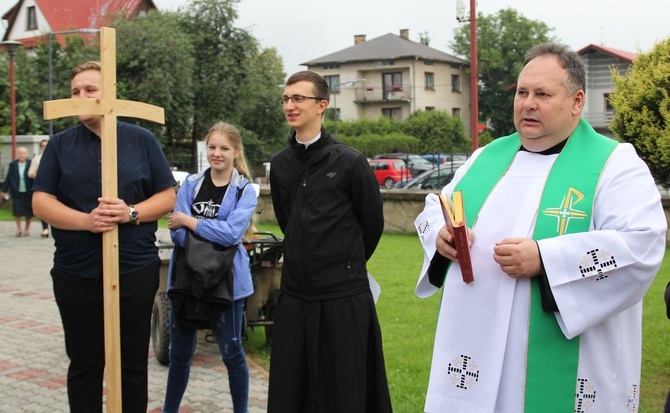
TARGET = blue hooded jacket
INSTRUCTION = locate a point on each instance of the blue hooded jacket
(228, 229)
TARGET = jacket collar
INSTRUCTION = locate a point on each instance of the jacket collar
(303, 153)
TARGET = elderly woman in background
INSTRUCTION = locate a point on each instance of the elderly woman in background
(19, 185)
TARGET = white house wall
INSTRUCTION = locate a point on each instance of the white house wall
(599, 84)
(19, 29)
(413, 74)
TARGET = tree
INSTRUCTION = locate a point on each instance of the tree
(194, 63)
(502, 41)
(438, 132)
(424, 39)
(161, 74)
(641, 100)
(32, 80)
(424, 132)
(222, 50)
(258, 109)
(233, 80)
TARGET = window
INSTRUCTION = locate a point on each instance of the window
(331, 66)
(429, 108)
(31, 22)
(334, 113)
(333, 82)
(392, 113)
(429, 79)
(608, 104)
(455, 112)
(455, 83)
(392, 82)
(428, 63)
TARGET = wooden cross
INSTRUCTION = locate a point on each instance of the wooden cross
(109, 108)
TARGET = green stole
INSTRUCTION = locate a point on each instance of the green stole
(566, 207)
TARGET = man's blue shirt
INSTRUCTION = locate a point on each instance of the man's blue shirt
(70, 170)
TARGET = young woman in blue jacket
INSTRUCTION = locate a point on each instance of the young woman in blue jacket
(217, 205)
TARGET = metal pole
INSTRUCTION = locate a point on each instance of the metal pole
(12, 102)
(474, 79)
(335, 113)
(51, 122)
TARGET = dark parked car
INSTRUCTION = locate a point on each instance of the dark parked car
(390, 171)
(442, 158)
(416, 163)
(434, 179)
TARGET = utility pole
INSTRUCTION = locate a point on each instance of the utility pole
(474, 78)
(474, 68)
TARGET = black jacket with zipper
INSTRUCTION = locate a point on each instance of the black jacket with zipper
(327, 202)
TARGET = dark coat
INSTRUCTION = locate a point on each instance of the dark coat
(11, 182)
(326, 348)
(332, 220)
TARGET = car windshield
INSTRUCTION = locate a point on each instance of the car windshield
(434, 179)
(417, 160)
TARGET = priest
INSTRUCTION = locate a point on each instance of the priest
(567, 233)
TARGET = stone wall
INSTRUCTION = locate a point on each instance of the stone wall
(400, 209)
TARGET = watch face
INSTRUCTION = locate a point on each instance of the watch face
(133, 214)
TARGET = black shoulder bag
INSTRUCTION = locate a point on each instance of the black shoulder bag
(211, 266)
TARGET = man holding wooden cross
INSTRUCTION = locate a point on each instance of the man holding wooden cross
(67, 194)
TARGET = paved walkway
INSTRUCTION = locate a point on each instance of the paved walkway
(33, 364)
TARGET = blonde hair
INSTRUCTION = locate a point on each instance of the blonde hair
(235, 139)
(90, 65)
(240, 162)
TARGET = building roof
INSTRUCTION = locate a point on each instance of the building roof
(63, 15)
(388, 46)
(619, 54)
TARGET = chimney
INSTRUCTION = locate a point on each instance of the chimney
(404, 33)
(359, 38)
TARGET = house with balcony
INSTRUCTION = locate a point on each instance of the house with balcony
(394, 76)
(598, 61)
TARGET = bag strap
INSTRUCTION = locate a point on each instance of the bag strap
(240, 191)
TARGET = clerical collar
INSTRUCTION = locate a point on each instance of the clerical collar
(551, 151)
(306, 144)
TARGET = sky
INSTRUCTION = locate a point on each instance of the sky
(302, 30)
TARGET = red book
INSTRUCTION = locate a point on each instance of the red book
(454, 217)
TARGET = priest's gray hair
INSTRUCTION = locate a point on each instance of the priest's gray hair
(568, 59)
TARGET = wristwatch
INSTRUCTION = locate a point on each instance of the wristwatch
(134, 216)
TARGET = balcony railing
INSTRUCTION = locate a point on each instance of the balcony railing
(384, 93)
(599, 119)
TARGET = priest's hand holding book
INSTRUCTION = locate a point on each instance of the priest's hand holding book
(445, 242)
(455, 238)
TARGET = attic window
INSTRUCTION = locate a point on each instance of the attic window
(31, 21)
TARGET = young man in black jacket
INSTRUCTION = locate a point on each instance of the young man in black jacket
(327, 347)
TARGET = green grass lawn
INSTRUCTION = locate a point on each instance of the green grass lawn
(408, 326)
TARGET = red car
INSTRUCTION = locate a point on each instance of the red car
(390, 171)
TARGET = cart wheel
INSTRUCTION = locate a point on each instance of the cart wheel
(270, 308)
(160, 333)
(245, 325)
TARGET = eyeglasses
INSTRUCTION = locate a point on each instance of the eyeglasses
(296, 99)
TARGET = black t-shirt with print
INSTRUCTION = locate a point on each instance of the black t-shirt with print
(208, 200)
